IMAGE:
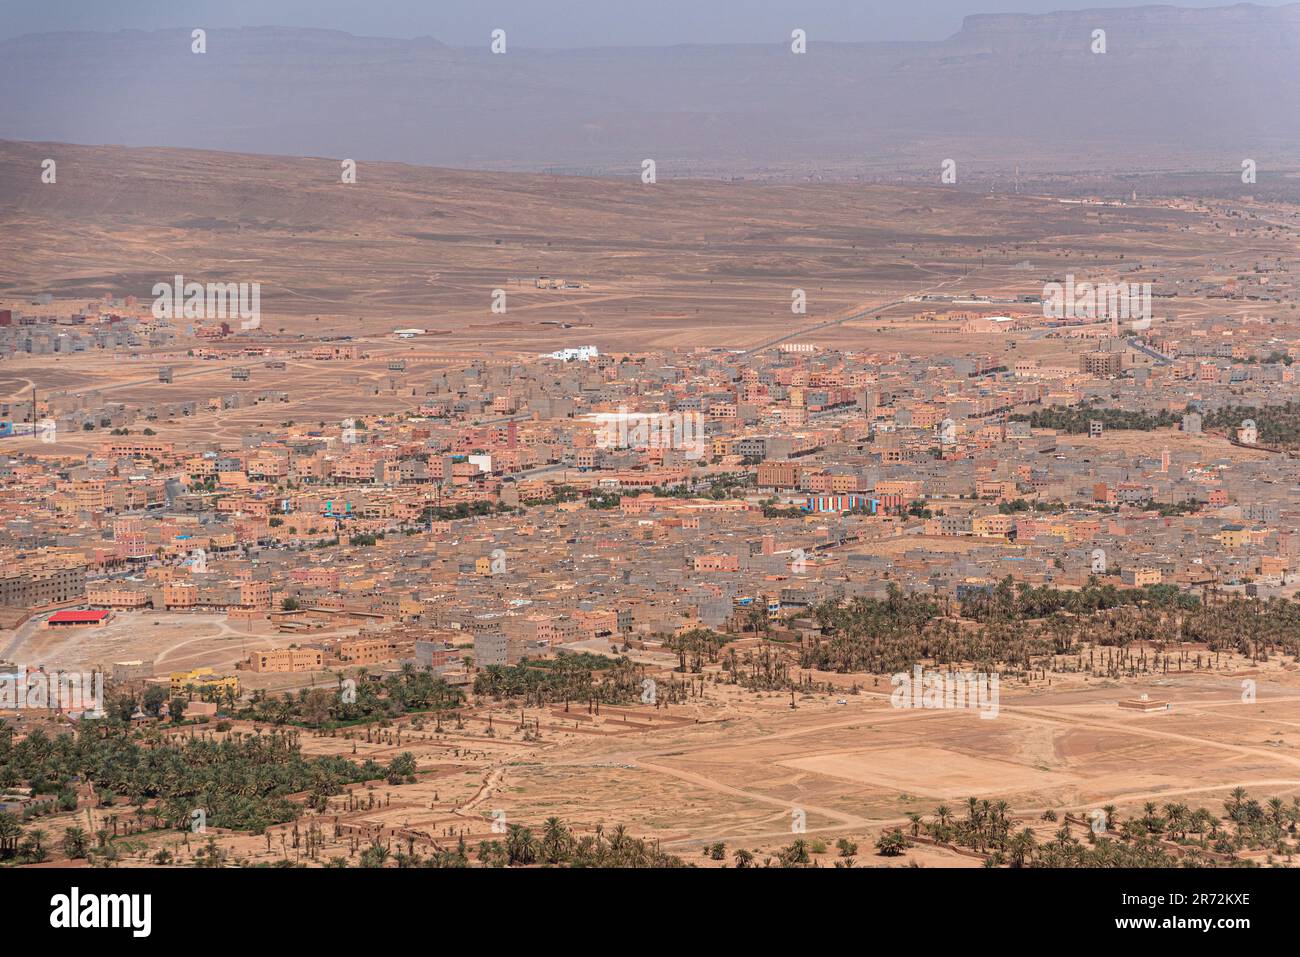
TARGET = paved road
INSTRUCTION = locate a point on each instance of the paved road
(21, 634)
(862, 314)
(1146, 350)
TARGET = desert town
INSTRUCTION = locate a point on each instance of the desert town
(542, 595)
(519, 438)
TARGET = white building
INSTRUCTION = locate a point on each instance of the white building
(574, 354)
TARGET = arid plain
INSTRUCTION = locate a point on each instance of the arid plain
(681, 264)
(739, 768)
(669, 265)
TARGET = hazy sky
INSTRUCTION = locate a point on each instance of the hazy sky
(548, 23)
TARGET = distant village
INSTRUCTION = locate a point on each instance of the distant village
(603, 502)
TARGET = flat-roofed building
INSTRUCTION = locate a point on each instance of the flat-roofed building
(437, 657)
(1101, 363)
(491, 648)
(202, 682)
(367, 651)
(287, 660)
(127, 671)
(44, 584)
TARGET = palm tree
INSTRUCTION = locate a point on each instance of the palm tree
(521, 848)
(1022, 847)
(376, 855)
(892, 843)
(1176, 819)
(10, 832)
(555, 840)
(1275, 810)
(796, 853)
(38, 836)
(75, 842)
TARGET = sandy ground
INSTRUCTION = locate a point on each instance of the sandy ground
(172, 641)
(747, 770)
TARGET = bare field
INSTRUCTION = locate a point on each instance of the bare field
(928, 772)
(173, 641)
(747, 770)
(677, 264)
(308, 393)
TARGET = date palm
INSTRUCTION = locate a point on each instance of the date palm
(10, 832)
(555, 840)
(75, 843)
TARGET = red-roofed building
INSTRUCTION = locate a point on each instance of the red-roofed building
(73, 618)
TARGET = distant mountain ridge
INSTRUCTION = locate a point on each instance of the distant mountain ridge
(1215, 83)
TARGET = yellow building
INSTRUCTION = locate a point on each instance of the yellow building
(1063, 530)
(1140, 577)
(1234, 536)
(287, 659)
(988, 526)
(202, 682)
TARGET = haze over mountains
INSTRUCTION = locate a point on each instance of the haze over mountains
(1175, 88)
